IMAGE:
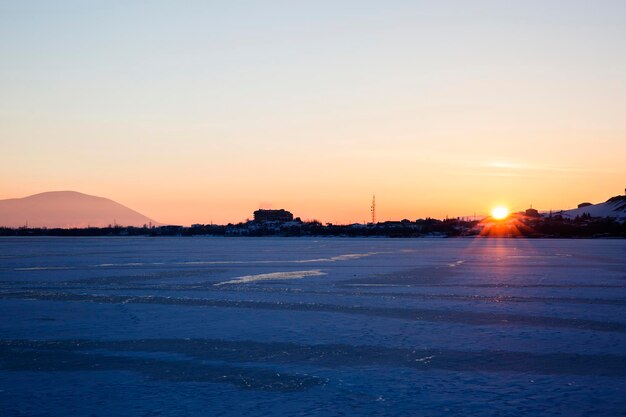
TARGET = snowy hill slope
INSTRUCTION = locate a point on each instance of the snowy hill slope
(613, 207)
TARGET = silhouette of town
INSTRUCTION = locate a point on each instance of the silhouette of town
(577, 223)
(529, 223)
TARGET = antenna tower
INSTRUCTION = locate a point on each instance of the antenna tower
(373, 209)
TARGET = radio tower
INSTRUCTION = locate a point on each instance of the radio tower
(373, 209)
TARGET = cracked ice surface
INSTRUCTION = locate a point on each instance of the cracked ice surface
(136, 326)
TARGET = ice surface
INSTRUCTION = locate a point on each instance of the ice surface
(273, 276)
(142, 326)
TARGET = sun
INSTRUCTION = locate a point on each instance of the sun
(499, 212)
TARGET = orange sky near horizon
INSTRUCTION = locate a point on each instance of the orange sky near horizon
(206, 113)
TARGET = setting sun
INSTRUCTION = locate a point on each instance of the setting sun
(499, 212)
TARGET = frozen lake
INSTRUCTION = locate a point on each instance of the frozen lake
(304, 326)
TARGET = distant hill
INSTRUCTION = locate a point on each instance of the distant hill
(67, 209)
(613, 207)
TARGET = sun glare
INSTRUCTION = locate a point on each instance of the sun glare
(499, 212)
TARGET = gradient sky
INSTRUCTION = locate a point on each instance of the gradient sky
(198, 111)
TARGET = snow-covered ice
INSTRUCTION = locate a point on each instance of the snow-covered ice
(305, 326)
(273, 276)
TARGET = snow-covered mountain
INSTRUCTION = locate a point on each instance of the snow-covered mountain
(613, 207)
(67, 209)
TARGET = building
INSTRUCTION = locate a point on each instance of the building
(273, 216)
(531, 212)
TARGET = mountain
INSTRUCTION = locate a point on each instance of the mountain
(67, 209)
(613, 207)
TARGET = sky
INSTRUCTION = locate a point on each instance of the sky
(201, 111)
